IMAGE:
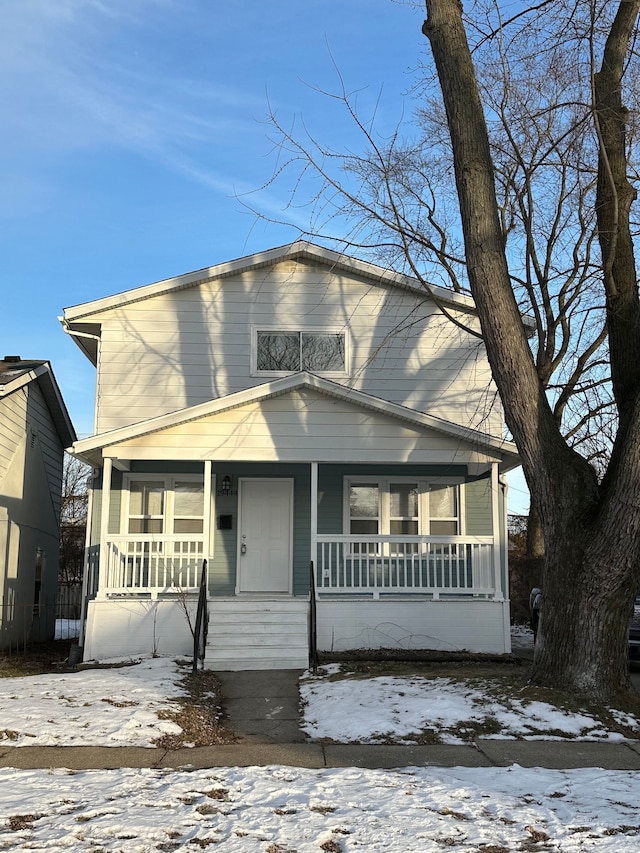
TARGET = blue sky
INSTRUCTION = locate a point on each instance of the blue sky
(130, 127)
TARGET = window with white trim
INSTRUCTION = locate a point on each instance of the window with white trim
(278, 351)
(382, 506)
(172, 505)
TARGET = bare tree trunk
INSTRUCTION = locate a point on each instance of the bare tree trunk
(535, 539)
(592, 555)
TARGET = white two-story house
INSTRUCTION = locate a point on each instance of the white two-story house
(315, 429)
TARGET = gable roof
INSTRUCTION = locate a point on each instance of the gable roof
(91, 448)
(16, 372)
(79, 321)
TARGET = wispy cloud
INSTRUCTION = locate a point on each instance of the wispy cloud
(86, 74)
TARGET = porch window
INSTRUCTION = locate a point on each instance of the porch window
(146, 507)
(188, 507)
(166, 505)
(364, 509)
(281, 351)
(443, 510)
(386, 506)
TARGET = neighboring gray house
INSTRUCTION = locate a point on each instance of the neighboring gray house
(295, 409)
(34, 430)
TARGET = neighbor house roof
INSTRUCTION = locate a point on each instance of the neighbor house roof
(16, 372)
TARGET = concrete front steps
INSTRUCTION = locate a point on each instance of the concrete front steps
(258, 633)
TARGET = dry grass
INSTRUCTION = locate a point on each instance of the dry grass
(38, 659)
(199, 716)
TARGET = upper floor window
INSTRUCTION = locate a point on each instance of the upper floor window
(287, 351)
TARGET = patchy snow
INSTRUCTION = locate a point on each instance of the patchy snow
(343, 710)
(521, 636)
(285, 809)
(91, 707)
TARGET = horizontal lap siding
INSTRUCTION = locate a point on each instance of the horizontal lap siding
(179, 349)
(13, 415)
(51, 448)
(298, 426)
(478, 509)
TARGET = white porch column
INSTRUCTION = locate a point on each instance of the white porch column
(104, 525)
(208, 512)
(314, 514)
(495, 508)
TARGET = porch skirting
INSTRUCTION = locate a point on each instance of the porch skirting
(272, 632)
(476, 625)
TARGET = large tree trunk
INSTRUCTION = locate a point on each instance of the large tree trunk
(592, 537)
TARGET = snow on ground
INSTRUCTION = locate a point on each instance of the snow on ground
(269, 809)
(342, 710)
(91, 707)
(121, 707)
(67, 629)
(280, 809)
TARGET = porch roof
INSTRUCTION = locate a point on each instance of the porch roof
(416, 436)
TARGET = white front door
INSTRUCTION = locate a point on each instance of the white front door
(265, 536)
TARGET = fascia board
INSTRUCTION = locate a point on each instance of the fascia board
(43, 375)
(260, 259)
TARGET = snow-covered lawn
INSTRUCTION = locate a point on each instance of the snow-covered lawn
(383, 709)
(92, 707)
(281, 809)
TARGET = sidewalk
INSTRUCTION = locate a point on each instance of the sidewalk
(262, 708)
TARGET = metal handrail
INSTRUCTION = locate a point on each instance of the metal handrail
(202, 621)
(313, 621)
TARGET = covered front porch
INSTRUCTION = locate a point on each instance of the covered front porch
(300, 492)
(310, 559)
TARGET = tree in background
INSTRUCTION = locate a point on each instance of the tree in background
(73, 525)
(518, 191)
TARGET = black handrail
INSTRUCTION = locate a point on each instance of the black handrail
(202, 621)
(313, 622)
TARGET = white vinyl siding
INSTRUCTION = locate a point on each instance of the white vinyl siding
(296, 427)
(176, 350)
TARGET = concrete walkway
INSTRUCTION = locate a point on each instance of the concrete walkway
(262, 709)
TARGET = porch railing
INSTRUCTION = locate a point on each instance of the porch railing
(433, 565)
(151, 564)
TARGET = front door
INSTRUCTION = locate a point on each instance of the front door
(265, 536)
